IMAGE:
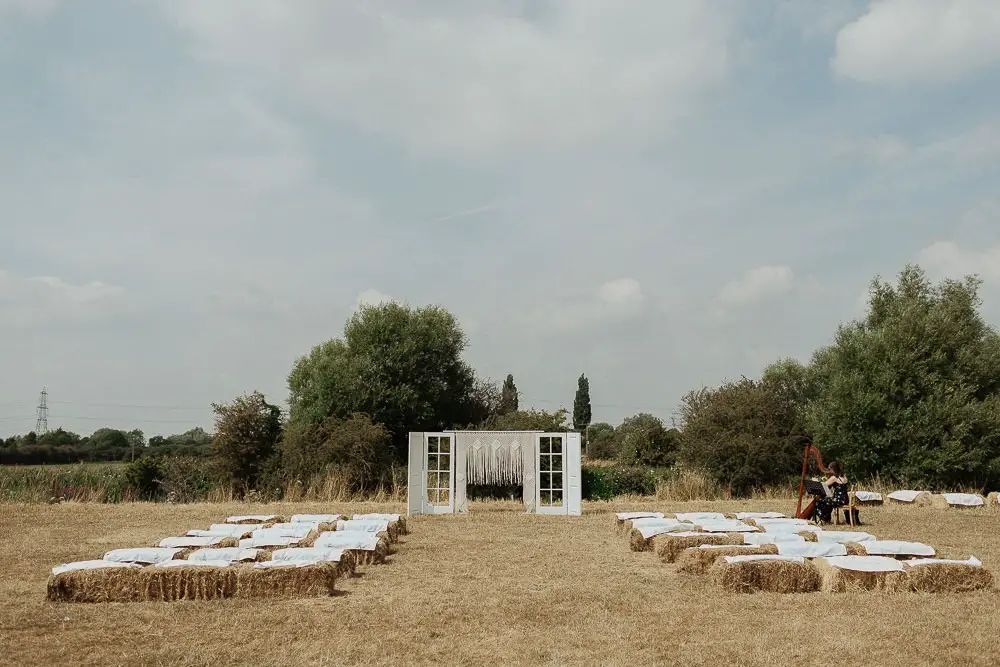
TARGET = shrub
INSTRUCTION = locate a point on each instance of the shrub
(643, 440)
(356, 446)
(144, 476)
(608, 482)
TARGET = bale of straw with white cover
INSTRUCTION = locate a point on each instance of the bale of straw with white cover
(397, 520)
(910, 497)
(867, 498)
(957, 500)
(698, 560)
(861, 573)
(668, 547)
(765, 573)
(623, 520)
(936, 575)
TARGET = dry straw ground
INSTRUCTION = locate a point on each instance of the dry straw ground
(495, 587)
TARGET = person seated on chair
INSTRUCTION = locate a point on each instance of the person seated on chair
(837, 483)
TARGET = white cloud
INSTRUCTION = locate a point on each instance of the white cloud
(615, 302)
(759, 284)
(483, 79)
(946, 259)
(919, 41)
(40, 300)
(623, 291)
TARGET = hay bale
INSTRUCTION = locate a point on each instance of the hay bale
(772, 576)
(808, 536)
(668, 547)
(957, 500)
(314, 580)
(922, 498)
(841, 580)
(856, 549)
(143, 585)
(865, 501)
(696, 560)
(948, 578)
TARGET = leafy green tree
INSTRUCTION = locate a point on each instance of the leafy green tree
(529, 420)
(742, 434)
(247, 432)
(508, 398)
(581, 404)
(356, 446)
(601, 442)
(643, 440)
(912, 391)
(402, 366)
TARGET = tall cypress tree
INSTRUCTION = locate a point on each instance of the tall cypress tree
(581, 404)
(508, 396)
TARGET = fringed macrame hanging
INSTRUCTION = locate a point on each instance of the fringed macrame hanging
(494, 462)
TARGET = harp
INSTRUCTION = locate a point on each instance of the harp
(818, 457)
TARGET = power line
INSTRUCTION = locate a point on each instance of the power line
(134, 405)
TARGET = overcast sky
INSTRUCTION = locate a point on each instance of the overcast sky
(662, 195)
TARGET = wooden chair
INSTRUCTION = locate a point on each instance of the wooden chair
(851, 508)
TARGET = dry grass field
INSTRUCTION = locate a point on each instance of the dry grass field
(494, 587)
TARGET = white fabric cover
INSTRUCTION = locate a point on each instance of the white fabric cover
(376, 517)
(353, 539)
(727, 526)
(683, 533)
(781, 521)
(365, 526)
(628, 516)
(792, 528)
(188, 541)
(771, 538)
(649, 530)
(91, 565)
(866, 563)
(193, 563)
(311, 554)
(725, 546)
(811, 549)
(315, 518)
(867, 496)
(298, 530)
(963, 499)
(898, 548)
(268, 541)
(656, 521)
(905, 496)
(268, 564)
(975, 562)
(231, 554)
(261, 518)
(297, 526)
(744, 559)
(226, 530)
(142, 555)
(695, 517)
(759, 515)
(844, 536)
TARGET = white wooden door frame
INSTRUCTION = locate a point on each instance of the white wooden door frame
(437, 507)
(563, 507)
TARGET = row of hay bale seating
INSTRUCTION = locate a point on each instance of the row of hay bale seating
(767, 551)
(247, 557)
(926, 498)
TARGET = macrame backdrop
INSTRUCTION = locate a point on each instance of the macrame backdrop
(495, 457)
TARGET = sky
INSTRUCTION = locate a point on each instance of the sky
(661, 195)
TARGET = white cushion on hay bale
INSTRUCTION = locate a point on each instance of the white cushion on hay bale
(628, 516)
(695, 517)
(905, 495)
(364, 526)
(391, 518)
(759, 515)
(964, 499)
(149, 555)
(726, 526)
(811, 549)
(268, 564)
(792, 528)
(648, 530)
(91, 565)
(189, 542)
(865, 563)
(772, 538)
(268, 541)
(782, 521)
(746, 559)
(843, 536)
(260, 518)
(232, 530)
(193, 563)
(348, 540)
(298, 530)
(898, 548)
(973, 561)
(867, 496)
(231, 554)
(312, 554)
(725, 546)
(315, 518)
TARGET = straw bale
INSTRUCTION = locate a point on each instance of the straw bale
(772, 576)
(286, 582)
(668, 547)
(923, 498)
(695, 560)
(948, 578)
(993, 498)
(855, 549)
(938, 501)
(808, 536)
(869, 503)
(839, 580)
(309, 539)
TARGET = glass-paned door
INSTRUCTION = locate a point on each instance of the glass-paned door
(551, 462)
(439, 464)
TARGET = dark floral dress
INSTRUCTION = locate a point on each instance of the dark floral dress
(838, 498)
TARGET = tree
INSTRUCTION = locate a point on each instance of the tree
(400, 365)
(529, 420)
(581, 404)
(356, 446)
(247, 432)
(742, 434)
(643, 440)
(136, 439)
(508, 398)
(912, 390)
(601, 441)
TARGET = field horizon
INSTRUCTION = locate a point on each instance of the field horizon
(495, 586)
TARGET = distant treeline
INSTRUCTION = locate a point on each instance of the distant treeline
(103, 445)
